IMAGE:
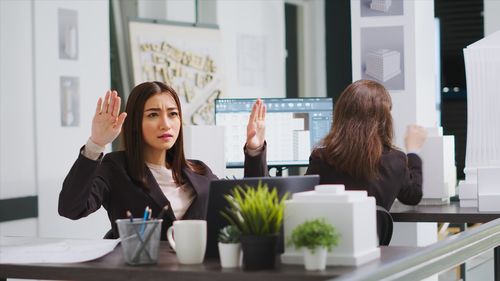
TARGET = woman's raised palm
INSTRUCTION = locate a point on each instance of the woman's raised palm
(107, 122)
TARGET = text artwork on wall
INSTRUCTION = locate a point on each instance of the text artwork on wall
(186, 58)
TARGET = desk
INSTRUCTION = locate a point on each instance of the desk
(451, 213)
(113, 267)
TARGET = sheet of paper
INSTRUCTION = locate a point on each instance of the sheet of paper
(53, 250)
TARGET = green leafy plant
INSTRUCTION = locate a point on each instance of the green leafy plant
(314, 233)
(229, 234)
(255, 210)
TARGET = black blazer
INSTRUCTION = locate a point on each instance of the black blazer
(105, 182)
(400, 177)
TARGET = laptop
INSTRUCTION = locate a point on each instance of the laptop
(217, 202)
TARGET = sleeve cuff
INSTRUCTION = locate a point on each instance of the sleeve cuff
(92, 150)
(253, 152)
(413, 151)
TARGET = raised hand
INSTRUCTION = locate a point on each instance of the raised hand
(107, 122)
(256, 128)
(415, 137)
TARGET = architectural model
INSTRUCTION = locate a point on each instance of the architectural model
(482, 160)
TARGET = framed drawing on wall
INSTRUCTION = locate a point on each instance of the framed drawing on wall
(377, 8)
(382, 56)
(187, 58)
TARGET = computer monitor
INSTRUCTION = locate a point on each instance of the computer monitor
(217, 202)
(293, 127)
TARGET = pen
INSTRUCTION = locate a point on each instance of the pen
(129, 215)
(144, 218)
(134, 227)
(162, 212)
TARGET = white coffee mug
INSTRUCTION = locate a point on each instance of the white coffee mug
(190, 240)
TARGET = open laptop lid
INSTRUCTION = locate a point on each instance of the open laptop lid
(217, 203)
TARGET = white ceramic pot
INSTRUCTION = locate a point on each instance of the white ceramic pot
(316, 260)
(229, 254)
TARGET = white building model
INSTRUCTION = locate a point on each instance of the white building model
(381, 5)
(482, 160)
(383, 64)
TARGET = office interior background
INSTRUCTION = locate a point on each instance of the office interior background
(308, 54)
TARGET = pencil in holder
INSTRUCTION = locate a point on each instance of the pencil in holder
(140, 240)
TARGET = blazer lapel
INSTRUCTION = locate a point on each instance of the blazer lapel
(198, 182)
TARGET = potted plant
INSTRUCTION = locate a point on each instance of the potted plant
(316, 237)
(229, 246)
(258, 213)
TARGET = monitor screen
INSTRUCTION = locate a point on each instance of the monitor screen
(293, 128)
(217, 202)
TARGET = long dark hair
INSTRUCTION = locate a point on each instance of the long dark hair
(362, 126)
(134, 140)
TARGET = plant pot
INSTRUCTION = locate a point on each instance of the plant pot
(229, 254)
(316, 260)
(259, 251)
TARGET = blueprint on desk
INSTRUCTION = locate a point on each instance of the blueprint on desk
(53, 250)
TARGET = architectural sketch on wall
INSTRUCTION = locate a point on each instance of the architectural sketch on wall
(70, 101)
(188, 59)
(382, 56)
(376, 8)
(68, 34)
(251, 60)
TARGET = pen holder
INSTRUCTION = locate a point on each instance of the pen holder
(140, 240)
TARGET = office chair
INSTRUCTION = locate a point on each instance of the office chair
(384, 226)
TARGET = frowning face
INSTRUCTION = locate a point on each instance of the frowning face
(161, 123)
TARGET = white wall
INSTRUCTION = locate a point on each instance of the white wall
(36, 150)
(258, 22)
(424, 61)
(416, 101)
(56, 146)
(17, 142)
(491, 16)
(261, 23)
(152, 9)
(181, 10)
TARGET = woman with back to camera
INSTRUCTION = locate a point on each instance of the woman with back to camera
(358, 151)
(152, 170)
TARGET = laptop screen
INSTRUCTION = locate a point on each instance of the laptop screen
(217, 202)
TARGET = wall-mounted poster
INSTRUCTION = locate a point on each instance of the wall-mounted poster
(251, 58)
(188, 59)
(69, 88)
(68, 34)
(378, 8)
(382, 56)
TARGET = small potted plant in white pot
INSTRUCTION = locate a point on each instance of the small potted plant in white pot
(316, 237)
(229, 246)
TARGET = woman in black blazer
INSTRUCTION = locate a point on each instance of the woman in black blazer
(358, 151)
(151, 170)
